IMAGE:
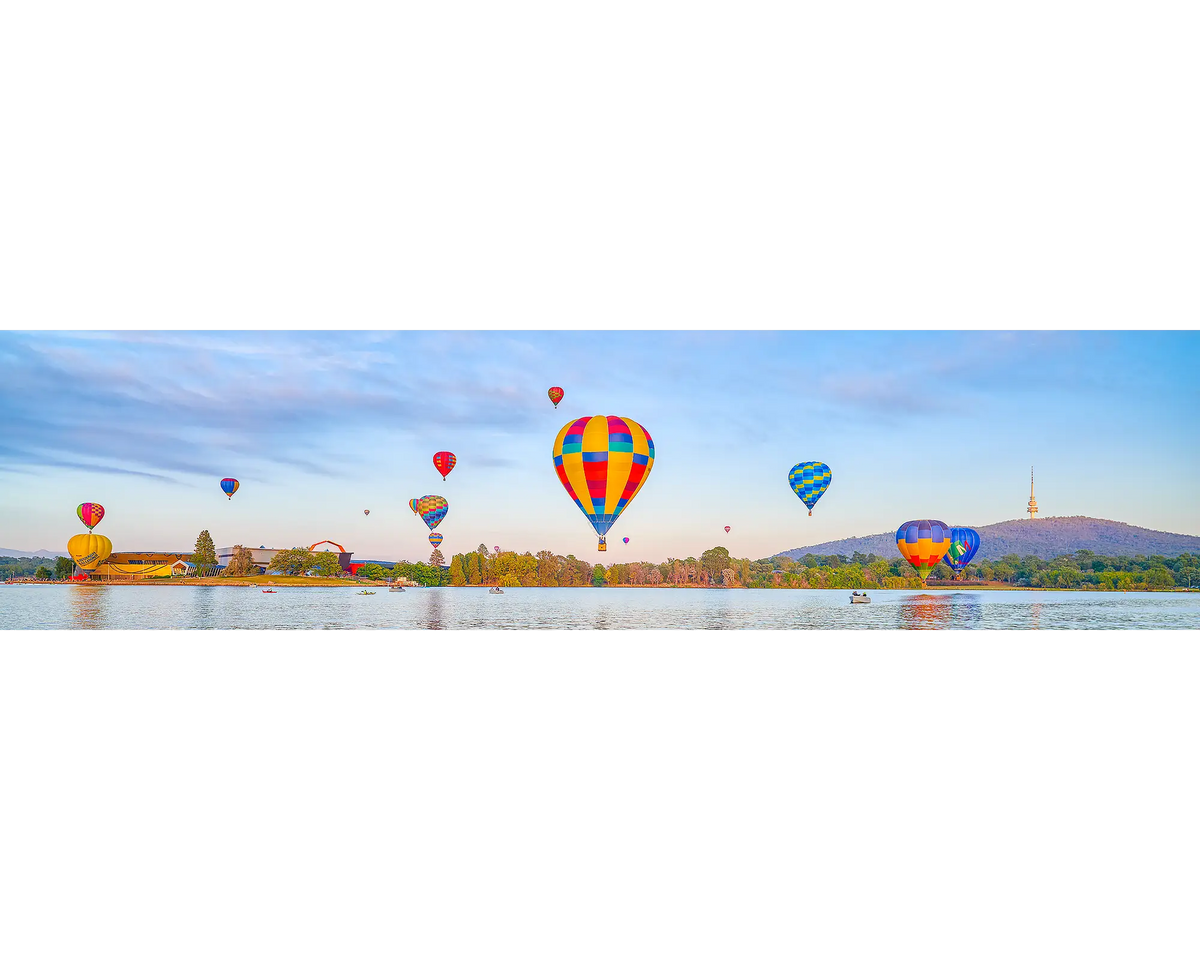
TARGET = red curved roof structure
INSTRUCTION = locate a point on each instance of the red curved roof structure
(341, 549)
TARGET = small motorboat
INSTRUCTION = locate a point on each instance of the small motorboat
(495, 590)
(365, 593)
(857, 597)
(396, 588)
(270, 591)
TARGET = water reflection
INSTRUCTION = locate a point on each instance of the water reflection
(966, 609)
(1035, 616)
(433, 609)
(89, 606)
(204, 606)
(926, 612)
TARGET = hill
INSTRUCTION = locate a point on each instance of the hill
(1045, 538)
(51, 554)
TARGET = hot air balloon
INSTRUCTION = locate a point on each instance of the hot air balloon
(432, 510)
(89, 550)
(602, 462)
(415, 504)
(90, 513)
(964, 545)
(555, 394)
(366, 513)
(496, 548)
(230, 486)
(923, 543)
(626, 539)
(810, 480)
(444, 460)
(435, 538)
(727, 529)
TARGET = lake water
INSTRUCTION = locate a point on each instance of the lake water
(62, 606)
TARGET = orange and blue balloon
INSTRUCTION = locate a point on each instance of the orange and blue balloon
(415, 505)
(230, 486)
(444, 460)
(435, 539)
(90, 513)
(923, 543)
(602, 462)
(809, 480)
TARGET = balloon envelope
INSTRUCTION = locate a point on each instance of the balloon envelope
(415, 505)
(727, 529)
(230, 486)
(432, 510)
(809, 480)
(602, 462)
(89, 550)
(968, 539)
(435, 538)
(923, 543)
(555, 394)
(90, 513)
(444, 460)
(366, 513)
(626, 539)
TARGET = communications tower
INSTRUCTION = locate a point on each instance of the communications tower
(1032, 508)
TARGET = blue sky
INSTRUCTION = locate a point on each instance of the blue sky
(319, 426)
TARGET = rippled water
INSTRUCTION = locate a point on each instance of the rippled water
(60, 606)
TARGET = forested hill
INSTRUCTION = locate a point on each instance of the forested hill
(1045, 538)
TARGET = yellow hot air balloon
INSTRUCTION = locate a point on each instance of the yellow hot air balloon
(89, 550)
(602, 462)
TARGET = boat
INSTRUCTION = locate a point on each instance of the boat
(365, 593)
(857, 597)
(270, 591)
(396, 588)
(495, 590)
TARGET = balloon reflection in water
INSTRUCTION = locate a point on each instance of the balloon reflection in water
(925, 612)
(89, 606)
(433, 609)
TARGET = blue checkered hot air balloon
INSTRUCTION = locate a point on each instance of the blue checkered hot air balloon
(965, 543)
(809, 480)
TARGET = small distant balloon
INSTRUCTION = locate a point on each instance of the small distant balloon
(435, 538)
(727, 529)
(444, 460)
(415, 505)
(626, 539)
(496, 548)
(366, 513)
(90, 513)
(555, 394)
(230, 486)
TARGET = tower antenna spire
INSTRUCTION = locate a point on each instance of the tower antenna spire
(1032, 509)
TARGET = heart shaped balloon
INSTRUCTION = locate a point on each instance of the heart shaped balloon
(89, 550)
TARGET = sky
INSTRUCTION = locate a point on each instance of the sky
(319, 426)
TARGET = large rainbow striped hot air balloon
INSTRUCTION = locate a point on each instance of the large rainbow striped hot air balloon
(90, 513)
(602, 462)
(923, 543)
(964, 545)
(432, 509)
(809, 480)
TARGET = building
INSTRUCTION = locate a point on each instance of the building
(262, 556)
(144, 565)
(1032, 508)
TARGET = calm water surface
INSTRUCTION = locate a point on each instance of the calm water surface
(61, 606)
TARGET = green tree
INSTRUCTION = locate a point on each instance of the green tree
(372, 571)
(714, 561)
(294, 562)
(598, 575)
(1159, 578)
(436, 559)
(63, 567)
(325, 564)
(42, 573)
(241, 563)
(457, 577)
(204, 555)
